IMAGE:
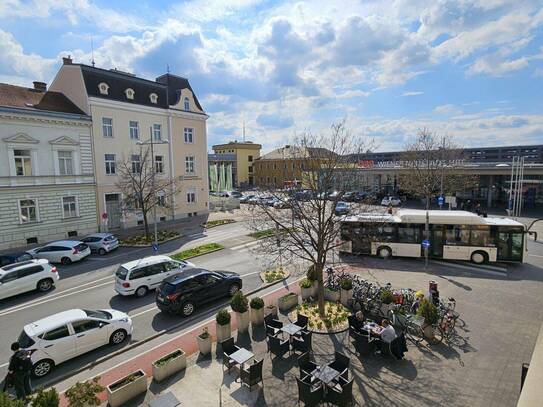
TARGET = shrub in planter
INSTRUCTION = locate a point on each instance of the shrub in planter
(346, 292)
(287, 301)
(45, 398)
(270, 309)
(204, 342)
(428, 311)
(7, 401)
(127, 388)
(306, 286)
(257, 311)
(224, 331)
(240, 306)
(387, 300)
(312, 273)
(331, 294)
(85, 394)
(168, 365)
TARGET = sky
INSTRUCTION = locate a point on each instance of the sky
(470, 69)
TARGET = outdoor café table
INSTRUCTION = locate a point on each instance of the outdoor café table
(291, 329)
(373, 328)
(325, 374)
(241, 356)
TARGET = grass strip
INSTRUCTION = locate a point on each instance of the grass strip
(197, 251)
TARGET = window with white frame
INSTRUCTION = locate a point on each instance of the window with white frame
(28, 210)
(103, 88)
(110, 164)
(134, 129)
(107, 127)
(189, 135)
(159, 164)
(136, 163)
(157, 132)
(153, 97)
(189, 164)
(186, 104)
(65, 163)
(191, 195)
(129, 93)
(23, 162)
(69, 207)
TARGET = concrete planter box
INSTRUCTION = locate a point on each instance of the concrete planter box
(223, 332)
(286, 302)
(204, 344)
(242, 320)
(257, 316)
(306, 292)
(385, 308)
(429, 332)
(176, 361)
(346, 296)
(331, 295)
(270, 309)
(126, 388)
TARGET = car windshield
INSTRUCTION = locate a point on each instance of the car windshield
(167, 288)
(81, 246)
(25, 341)
(121, 273)
(109, 238)
(98, 314)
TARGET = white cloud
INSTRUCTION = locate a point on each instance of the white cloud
(412, 93)
(494, 65)
(448, 110)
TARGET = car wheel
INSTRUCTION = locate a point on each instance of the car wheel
(42, 368)
(45, 285)
(187, 309)
(101, 252)
(478, 257)
(384, 252)
(141, 291)
(234, 288)
(66, 260)
(117, 337)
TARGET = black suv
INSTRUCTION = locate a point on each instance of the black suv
(182, 293)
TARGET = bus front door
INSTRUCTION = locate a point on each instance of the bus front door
(510, 245)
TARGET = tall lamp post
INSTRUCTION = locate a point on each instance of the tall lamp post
(152, 142)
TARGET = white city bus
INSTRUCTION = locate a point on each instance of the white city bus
(455, 235)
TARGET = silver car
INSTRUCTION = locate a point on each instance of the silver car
(101, 243)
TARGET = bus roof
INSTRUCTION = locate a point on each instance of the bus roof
(443, 217)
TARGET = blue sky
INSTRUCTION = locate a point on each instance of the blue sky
(472, 69)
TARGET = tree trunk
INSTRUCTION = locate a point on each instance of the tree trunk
(320, 289)
(145, 224)
(427, 231)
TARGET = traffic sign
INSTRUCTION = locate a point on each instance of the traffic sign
(440, 200)
(155, 247)
(426, 243)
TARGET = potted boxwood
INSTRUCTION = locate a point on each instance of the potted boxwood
(387, 299)
(287, 301)
(84, 394)
(270, 309)
(257, 311)
(306, 287)
(126, 388)
(240, 306)
(204, 342)
(224, 331)
(428, 311)
(331, 294)
(312, 276)
(169, 364)
(346, 291)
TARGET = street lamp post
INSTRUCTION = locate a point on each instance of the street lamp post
(151, 142)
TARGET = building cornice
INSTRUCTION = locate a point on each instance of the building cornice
(8, 113)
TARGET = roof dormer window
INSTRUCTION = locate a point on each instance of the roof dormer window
(186, 104)
(129, 93)
(103, 88)
(154, 98)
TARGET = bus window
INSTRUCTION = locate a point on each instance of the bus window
(516, 246)
(386, 233)
(480, 236)
(457, 235)
(408, 234)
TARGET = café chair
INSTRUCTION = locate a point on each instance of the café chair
(306, 365)
(228, 347)
(343, 397)
(272, 324)
(277, 346)
(302, 321)
(302, 344)
(308, 394)
(341, 364)
(362, 343)
(252, 375)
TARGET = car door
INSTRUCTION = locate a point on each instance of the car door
(154, 274)
(212, 286)
(27, 278)
(59, 252)
(8, 286)
(89, 334)
(173, 267)
(58, 344)
(44, 252)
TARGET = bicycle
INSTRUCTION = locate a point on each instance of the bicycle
(447, 320)
(411, 325)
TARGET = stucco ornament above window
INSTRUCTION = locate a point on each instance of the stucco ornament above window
(103, 88)
(153, 97)
(129, 93)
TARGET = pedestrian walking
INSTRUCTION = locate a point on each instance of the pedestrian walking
(20, 367)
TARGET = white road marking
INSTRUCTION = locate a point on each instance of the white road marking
(535, 255)
(4, 365)
(244, 246)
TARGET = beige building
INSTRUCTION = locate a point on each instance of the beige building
(246, 153)
(127, 111)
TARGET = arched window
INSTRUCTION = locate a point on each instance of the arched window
(153, 97)
(186, 104)
(103, 88)
(129, 93)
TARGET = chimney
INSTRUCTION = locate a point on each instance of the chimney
(67, 61)
(40, 86)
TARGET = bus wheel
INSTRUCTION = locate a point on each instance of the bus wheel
(384, 252)
(478, 257)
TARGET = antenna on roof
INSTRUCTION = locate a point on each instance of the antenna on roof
(92, 52)
(167, 68)
(243, 131)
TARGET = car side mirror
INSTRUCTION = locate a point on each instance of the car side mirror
(101, 325)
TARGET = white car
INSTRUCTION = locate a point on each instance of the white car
(101, 243)
(63, 336)
(139, 276)
(391, 201)
(62, 251)
(27, 276)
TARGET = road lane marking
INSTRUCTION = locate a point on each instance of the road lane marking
(244, 246)
(143, 312)
(4, 365)
(535, 255)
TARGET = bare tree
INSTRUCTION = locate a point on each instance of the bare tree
(143, 187)
(431, 166)
(306, 227)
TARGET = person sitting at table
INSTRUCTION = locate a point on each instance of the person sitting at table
(388, 334)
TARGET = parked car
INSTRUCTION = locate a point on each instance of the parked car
(333, 195)
(182, 293)
(391, 201)
(285, 203)
(350, 196)
(245, 198)
(101, 243)
(137, 277)
(30, 275)
(342, 208)
(63, 336)
(62, 251)
(10, 258)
